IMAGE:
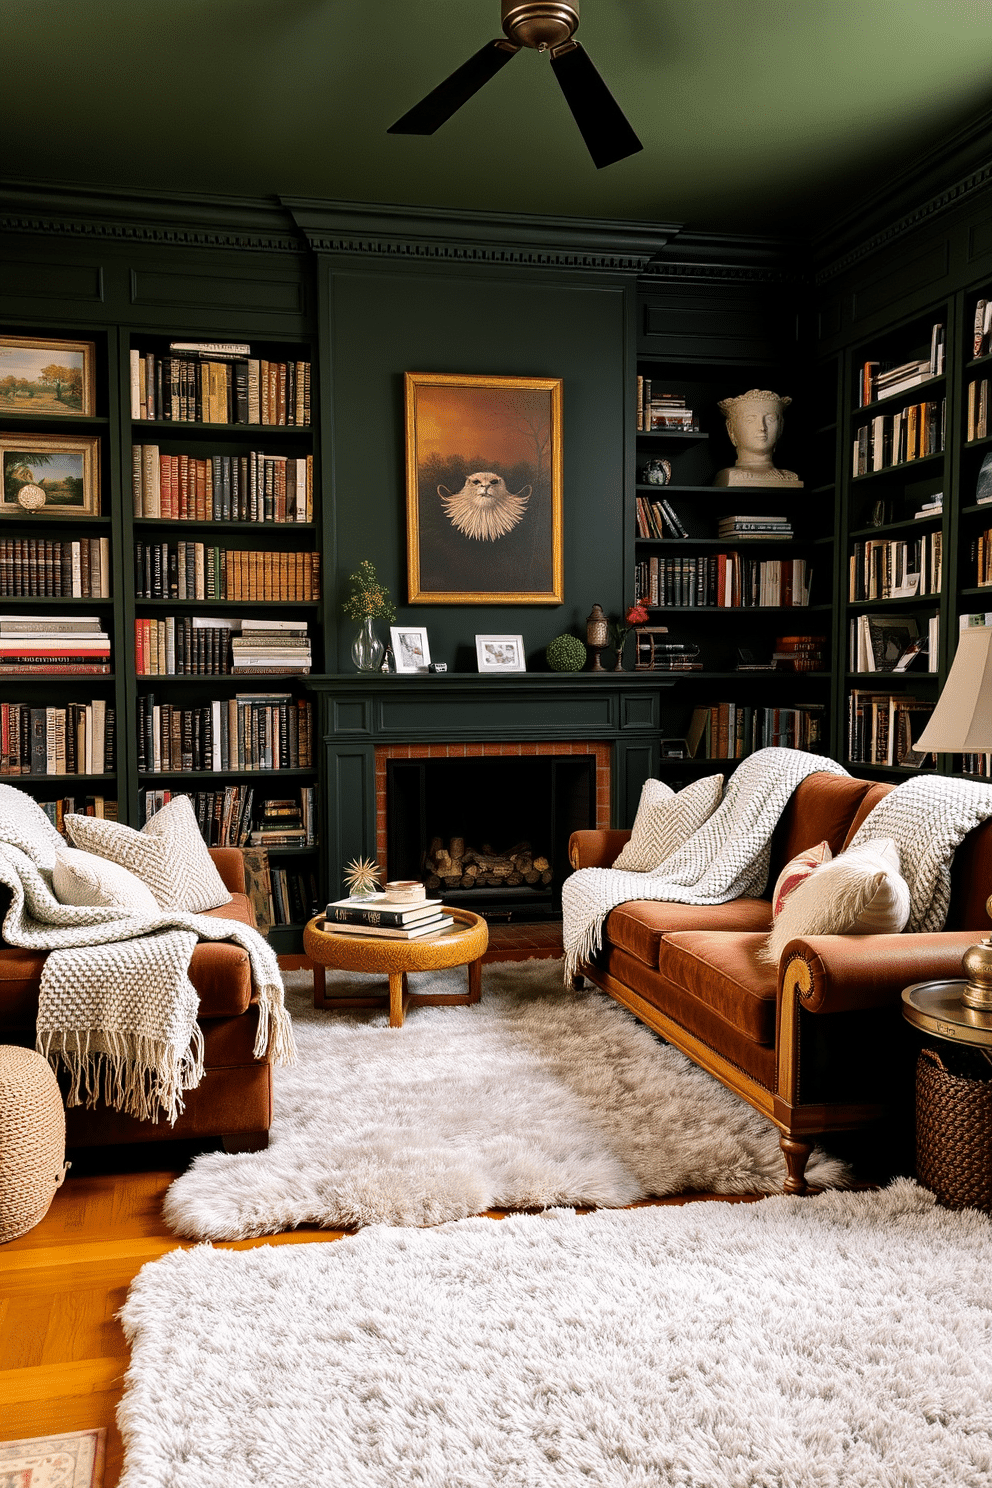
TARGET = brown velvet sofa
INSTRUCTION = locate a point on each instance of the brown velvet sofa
(234, 1099)
(818, 1044)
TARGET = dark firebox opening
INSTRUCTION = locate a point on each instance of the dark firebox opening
(495, 802)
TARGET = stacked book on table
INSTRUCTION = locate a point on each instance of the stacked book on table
(377, 916)
(53, 645)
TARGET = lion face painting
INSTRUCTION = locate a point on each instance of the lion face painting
(484, 509)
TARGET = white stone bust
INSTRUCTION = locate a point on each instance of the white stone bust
(754, 423)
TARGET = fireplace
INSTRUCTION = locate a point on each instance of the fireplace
(483, 806)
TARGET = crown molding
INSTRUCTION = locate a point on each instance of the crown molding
(496, 239)
(104, 214)
(729, 258)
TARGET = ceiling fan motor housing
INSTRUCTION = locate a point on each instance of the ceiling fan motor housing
(540, 24)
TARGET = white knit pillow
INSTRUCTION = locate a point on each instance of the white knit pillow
(861, 892)
(168, 855)
(82, 878)
(664, 821)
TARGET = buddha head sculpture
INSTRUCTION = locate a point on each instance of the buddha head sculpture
(754, 423)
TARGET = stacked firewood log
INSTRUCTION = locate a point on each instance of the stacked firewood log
(459, 867)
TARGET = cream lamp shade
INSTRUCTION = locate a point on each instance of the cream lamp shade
(962, 719)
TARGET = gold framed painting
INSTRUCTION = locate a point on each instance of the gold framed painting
(484, 489)
(45, 475)
(39, 376)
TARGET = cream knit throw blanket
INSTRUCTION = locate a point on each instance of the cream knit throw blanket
(117, 1008)
(727, 858)
(928, 818)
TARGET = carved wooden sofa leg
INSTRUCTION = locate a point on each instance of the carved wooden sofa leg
(246, 1142)
(796, 1155)
(578, 983)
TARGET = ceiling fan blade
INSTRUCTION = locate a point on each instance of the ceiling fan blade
(601, 121)
(434, 110)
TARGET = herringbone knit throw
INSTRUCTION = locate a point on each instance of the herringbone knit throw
(928, 818)
(117, 1008)
(727, 857)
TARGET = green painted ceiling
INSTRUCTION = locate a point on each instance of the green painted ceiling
(755, 114)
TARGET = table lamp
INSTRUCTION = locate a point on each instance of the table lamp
(961, 723)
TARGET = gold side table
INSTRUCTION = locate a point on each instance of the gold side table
(464, 944)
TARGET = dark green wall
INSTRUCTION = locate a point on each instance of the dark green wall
(382, 324)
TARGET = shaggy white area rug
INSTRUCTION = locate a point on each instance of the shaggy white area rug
(837, 1342)
(533, 1097)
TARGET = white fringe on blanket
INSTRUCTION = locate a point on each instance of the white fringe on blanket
(727, 858)
(116, 1006)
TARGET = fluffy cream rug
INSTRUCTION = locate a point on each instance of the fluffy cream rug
(534, 1096)
(837, 1342)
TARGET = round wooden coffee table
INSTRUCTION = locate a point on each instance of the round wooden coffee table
(462, 945)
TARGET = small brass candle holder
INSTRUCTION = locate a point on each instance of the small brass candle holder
(977, 964)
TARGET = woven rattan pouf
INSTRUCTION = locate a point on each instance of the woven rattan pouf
(32, 1140)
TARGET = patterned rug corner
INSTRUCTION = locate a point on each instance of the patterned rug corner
(73, 1459)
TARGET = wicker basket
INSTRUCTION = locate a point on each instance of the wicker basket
(32, 1140)
(954, 1128)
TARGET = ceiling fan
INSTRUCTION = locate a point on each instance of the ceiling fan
(544, 26)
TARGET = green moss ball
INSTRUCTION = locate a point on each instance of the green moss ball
(566, 653)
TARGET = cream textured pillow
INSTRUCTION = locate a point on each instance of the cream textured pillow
(797, 871)
(861, 892)
(168, 855)
(664, 821)
(82, 878)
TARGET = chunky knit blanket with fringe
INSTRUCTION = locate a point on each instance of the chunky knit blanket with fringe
(928, 818)
(117, 1009)
(726, 858)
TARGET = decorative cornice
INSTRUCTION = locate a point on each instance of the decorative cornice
(728, 273)
(729, 258)
(145, 217)
(500, 239)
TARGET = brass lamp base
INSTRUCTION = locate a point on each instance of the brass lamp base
(977, 963)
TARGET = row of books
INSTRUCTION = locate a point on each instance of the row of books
(251, 731)
(658, 519)
(226, 818)
(198, 646)
(218, 383)
(891, 643)
(982, 329)
(724, 581)
(53, 645)
(882, 729)
(221, 488)
(658, 410)
(376, 916)
(880, 380)
(279, 896)
(890, 568)
(196, 570)
(734, 730)
(978, 409)
(57, 811)
(78, 739)
(39, 567)
(981, 552)
(893, 439)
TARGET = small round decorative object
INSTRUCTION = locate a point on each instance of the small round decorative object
(31, 497)
(32, 1140)
(977, 963)
(404, 891)
(566, 653)
(657, 473)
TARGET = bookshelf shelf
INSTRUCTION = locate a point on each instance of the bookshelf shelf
(696, 435)
(209, 524)
(227, 604)
(913, 677)
(251, 433)
(289, 773)
(730, 543)
(909, 524)
(903, 468)
(904, 601)
(65, 425)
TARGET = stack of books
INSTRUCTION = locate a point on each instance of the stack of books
(662, 410)
(887, 379)
(376, 916)
(56, 645)
(270, 646)
(801, 653)
(218, 382)
(221, 488)
(280, 824)
(932, 507)
(751, 527)
(654, 655)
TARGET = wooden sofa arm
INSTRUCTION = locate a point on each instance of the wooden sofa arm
(597, 848)
(844, 973)
(231, 866)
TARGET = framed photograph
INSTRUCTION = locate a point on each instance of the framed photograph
(484, 489)
(410, 648)
(44, 475)
(500, 653)
(50, 377)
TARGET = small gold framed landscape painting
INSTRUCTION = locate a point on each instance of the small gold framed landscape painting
(47, 476)
(49, 377)
(484, 489)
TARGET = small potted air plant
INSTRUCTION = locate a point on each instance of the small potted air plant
(636, 615)
(362, 878)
